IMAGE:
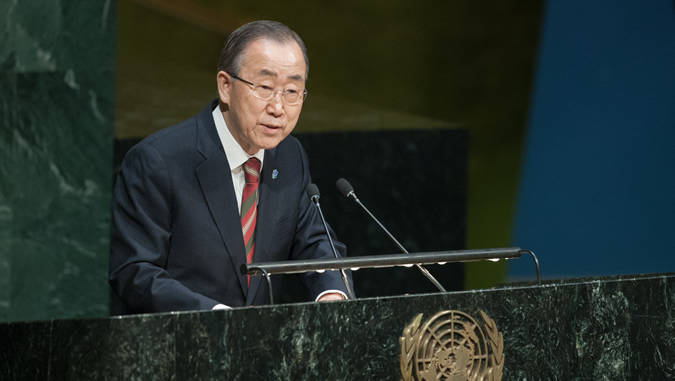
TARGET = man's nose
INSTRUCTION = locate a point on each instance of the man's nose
(276, 104)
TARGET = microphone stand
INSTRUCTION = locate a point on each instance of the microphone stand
(348, 191)
(313, 192)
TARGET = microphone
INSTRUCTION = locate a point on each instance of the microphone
(348, 190)
(313, 192)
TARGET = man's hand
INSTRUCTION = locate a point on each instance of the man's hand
(331, 296)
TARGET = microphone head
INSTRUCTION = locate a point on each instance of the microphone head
(345, 187)
(312, 191)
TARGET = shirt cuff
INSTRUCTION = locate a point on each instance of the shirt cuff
(344, 296)
(221, 307)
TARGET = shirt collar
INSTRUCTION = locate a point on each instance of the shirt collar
(236, 155)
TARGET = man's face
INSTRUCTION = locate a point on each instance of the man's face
(258, 124)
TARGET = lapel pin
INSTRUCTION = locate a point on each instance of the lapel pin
(275, 174)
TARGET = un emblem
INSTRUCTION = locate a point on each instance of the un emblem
(452, 346)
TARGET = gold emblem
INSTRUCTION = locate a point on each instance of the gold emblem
(452, 346)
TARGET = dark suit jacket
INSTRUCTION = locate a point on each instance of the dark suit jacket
(176, 235)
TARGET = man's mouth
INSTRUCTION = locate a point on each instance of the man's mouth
(272, 126)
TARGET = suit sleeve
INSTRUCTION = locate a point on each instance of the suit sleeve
(311, 242)
(141, 233)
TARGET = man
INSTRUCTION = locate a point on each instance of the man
(195, 201)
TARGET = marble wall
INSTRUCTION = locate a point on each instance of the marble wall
(56, 128)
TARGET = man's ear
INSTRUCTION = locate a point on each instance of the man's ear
(224, 83)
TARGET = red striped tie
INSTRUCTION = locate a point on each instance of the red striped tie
(249, 205)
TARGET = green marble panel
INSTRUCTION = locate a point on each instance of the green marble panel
(583, 329)
(56, 99)
(5, 222)
(147, 350)
(6, 118)
(24, 351)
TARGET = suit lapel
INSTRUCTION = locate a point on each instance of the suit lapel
(266, 220)
(216, 184)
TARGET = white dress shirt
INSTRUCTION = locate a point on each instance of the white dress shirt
(236, 155)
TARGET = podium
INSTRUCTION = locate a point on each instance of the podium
(615, 328)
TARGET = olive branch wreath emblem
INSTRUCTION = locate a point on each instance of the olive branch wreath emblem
(494, 340)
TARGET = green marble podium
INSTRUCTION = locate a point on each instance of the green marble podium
(616, 328)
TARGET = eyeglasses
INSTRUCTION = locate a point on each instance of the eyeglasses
(266, 93)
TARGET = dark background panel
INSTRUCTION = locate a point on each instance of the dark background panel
(414, 182)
